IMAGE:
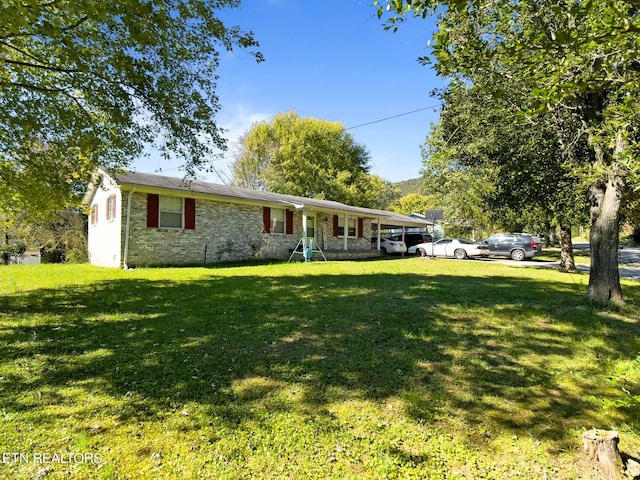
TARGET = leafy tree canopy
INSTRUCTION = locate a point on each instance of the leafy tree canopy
(310, 158)
(414, 203)
(580, 57)
(86, 83)
(534, 163)
(407, 187)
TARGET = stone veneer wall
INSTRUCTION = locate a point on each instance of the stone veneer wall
(229, 231)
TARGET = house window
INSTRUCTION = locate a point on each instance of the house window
(94, 214)
(352, 229)
(170, 212)
(277, 220)
(111, 207)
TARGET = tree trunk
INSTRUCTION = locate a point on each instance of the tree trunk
(567, 262)
(636, 234)
(549, 235)
(604, 278)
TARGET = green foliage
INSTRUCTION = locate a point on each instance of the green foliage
(458, 190)
(88, 83)
(414, 202)
(390, 369)
(626, 376)
(310, 158)
(413, 185)
(520, 159)
(8, 250)
(61, 237)
(576, 58)
(10, 244)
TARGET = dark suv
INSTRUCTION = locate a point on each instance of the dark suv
(518, 246)
(412, 239)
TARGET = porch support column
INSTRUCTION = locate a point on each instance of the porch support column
(304, 230)
(404, 229)
(378, 239)
(346, 230)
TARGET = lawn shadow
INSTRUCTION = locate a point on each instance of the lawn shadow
(452, 349)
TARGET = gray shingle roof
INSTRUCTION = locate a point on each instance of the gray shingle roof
(259, 196)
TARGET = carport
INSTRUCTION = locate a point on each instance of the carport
(396, 221)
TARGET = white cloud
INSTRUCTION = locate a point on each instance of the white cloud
(236, 120)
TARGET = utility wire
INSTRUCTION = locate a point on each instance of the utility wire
(219, 174)
(396, 116)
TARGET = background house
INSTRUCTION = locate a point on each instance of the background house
(140, 219)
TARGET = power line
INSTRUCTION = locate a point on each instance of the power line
(396, 116)
(227, 157)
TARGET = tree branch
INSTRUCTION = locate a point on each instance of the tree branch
(52, 68)
(68, 28)
(41, 64)
(28, 86)
(62, 91)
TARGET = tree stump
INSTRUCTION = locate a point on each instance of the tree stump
(601, 447)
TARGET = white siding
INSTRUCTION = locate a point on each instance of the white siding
(104, 239)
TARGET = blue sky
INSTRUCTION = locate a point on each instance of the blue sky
(330, 60)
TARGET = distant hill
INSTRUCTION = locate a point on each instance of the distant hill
(413, 185)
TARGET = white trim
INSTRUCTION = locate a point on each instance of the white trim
(345, 231)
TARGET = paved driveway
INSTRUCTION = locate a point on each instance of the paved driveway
(629, 258)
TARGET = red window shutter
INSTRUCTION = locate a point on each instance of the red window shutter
(335, 225)
(266, 219)
(153, 210)
(190, 213)
(289, 223)
(360, 227)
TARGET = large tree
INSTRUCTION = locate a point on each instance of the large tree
(85, 83)
(580, 57)
(460, 190)
(533, 183)
(311, 158)
(414, 203)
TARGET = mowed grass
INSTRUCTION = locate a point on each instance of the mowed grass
(412, 368)
(552, 254)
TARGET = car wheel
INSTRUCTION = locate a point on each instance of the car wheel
(517, 255)
(460, 254)
(421, 253)
(383, 250)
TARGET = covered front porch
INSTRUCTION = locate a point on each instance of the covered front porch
(347, 234)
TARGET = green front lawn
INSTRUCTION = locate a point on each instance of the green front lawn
(552, 254)
(413, 368)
